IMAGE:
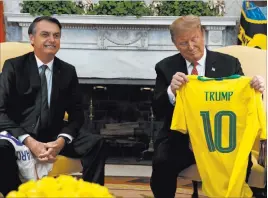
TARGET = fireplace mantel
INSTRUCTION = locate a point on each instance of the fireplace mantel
(123, 20)
(125, 48)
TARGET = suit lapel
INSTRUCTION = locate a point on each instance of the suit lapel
(55, 86)
(211, 69)
(33, 72)
(182, 62)
(178, 65)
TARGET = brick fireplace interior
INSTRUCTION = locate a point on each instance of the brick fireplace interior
(123, 115)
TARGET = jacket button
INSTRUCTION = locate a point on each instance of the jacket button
(33, 125)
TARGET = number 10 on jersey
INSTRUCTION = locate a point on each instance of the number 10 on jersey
(217, 144)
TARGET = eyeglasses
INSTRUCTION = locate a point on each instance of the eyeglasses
(185, 44)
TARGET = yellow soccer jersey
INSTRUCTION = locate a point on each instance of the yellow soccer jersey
(223, 118)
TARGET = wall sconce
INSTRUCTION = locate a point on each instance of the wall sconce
(146, 89)
(91, 115)
(100, 87)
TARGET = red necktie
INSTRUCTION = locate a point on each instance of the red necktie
(194, 71)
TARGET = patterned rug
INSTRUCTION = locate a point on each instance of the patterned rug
(138, 187)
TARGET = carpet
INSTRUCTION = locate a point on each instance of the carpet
(138, 187)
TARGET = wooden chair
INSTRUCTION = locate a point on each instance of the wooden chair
(63, 165)
(253, 63)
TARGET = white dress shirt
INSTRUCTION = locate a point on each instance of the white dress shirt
(201, 72)
(48, 73)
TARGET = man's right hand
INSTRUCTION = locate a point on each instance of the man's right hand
(37, 148)
(178, 80)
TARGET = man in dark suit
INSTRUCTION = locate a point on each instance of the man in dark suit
(36, 90)
(172, 152)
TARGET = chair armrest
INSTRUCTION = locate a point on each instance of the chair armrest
(65, 165)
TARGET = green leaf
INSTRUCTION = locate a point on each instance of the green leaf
(118, 8)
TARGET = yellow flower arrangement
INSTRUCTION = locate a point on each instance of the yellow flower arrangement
(62, 186)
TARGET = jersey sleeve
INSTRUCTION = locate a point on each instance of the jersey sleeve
(178, 119)
(261, 116)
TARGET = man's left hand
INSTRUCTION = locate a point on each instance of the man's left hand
(53, 149)
(258, 83)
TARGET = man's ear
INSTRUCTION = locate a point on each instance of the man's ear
(177, 46)
(202, 30)
(174, 41)
(31, 36)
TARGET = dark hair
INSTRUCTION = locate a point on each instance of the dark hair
(32, 27)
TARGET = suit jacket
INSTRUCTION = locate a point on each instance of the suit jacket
(224, 65)
(19, 85)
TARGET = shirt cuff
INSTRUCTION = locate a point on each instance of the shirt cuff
(23, 137)
(171, 96)
(67, 136)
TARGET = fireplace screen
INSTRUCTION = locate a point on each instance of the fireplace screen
(123, 115)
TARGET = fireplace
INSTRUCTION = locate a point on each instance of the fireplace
(122, 114)
(116, 72)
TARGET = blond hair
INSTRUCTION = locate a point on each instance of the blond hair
(184, 24)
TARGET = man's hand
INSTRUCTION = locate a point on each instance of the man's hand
(52, 150)
(36, 147)
(257, 83)
(178, 79)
